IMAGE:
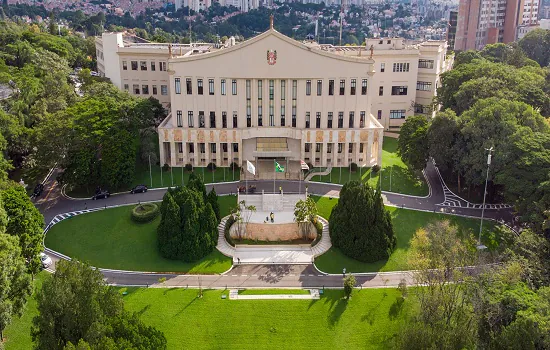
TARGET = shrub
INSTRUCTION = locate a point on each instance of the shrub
(353, 167)
(376, 168)
(349, 283)
(211, 166)
(165, 167)
(188, 167)
(143, 213)
(230, 221)
(319, 227)
(310, 165)
(233, 166)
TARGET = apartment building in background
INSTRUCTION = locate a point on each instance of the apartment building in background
(483, 22)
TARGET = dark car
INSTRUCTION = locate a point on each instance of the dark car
(38, 190)
(139, 189)
(101, 194)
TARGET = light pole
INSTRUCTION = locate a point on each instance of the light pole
(381, 170)
(479, 245)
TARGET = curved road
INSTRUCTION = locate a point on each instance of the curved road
(53, 203)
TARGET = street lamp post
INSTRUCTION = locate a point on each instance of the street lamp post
(391, 171)
(479, 245)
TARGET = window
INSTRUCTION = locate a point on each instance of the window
(189, 86)
(400, 67)
(180, 147)
(397, 114)
(143, 65)
(153, 67)
(398, 90)
(350, 147)
(260, 103)
(422, 109)
(145, 89)
(201, 119)
(235, 119)
(236, 147)
(212, 120)
(134, 65)
(308, 87)
(318, 147)
(362, 119)
(307, 120)
(342, 86)
(379, 114)
(179, 119)
(190, 119)
(126, 87)
(340, 120)
(222, 87)
(224, 147)
(210, 86)
(283, 102)
(353, 86)
(381, 91)
(271, 102)
(364, 87)
(331, 87)
(382, 67)
(234, 87)
(307, 147)
(224, 120)
(124, 65)
(136, 89)
(427, 64)
(155, 90)
(361, 148)
(329, 120)
(318, 120)
(294, 93)
(351, 119)
(162, 66)
(164, 90)
(191, 147)
(319, 87)
(423, 86)
(212, 147)
(329, 148)
(340, 147)
(248, 107)
(389, 41)
(199, 86)
(177, 84)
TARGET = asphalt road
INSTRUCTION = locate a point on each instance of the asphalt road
(53, 203)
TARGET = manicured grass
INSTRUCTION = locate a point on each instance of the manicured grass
(272, 291)
(110, 239)
(403, 180)
(369, 320)
(405, 223)
(18, 332)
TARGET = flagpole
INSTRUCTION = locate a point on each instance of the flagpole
(274, 173)
(300, 180)
(246, 179)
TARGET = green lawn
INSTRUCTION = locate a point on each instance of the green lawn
(403, 180)
(272, 291)
(369, 320)
(18, 332)
(405, 223)
(110, 239)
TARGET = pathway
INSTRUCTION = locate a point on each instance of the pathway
(319, 173)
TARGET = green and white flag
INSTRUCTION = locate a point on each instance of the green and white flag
(279, 168)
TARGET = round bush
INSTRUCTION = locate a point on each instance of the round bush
(188, 167)
(353, 167)
(165, 167)
(310, 165)
(211, 166)
(145, 212)
(234, 166)
(376, 168)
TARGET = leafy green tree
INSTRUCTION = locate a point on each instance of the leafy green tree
(349, 284)
(305, 212)
(25, 223)
(196, 183)
(212, 198)
(360, 226)
(16, 284)
(535, 45)
(169, 227)
(75, 306)
(412, 144)
(118, 158)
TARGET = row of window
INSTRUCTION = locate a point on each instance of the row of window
(404, 67)
(318, 147)
(403, 90)
(144, 89)
(202, 147)
(342, 87)
(212, 120)
(143, 65)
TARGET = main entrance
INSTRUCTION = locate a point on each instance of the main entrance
(273, 157)
(265, 169)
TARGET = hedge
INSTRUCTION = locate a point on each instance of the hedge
(230, 221)
(149, 214)
(319, 227)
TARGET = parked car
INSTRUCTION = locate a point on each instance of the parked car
(139, 189)
(101, 194)
(38, 190)
(45, 260)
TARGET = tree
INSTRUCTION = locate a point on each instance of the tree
(25, 223)
(535, 44)
(360, 226)
(305, 212)
(118, 158)
(52, 26)
(412, 144)
(349, 284)
(16, 284)
(76, 307)
(212, 198)
(169, 227)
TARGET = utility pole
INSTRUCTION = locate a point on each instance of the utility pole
(479, 245)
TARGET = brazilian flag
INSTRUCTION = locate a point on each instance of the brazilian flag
(279, 168)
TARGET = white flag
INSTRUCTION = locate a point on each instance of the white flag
(250, 167)
(304, 165)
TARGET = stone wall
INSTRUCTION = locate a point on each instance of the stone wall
(272, 232)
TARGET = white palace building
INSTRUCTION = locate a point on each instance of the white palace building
(272, 97)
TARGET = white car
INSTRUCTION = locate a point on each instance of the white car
(45, 260)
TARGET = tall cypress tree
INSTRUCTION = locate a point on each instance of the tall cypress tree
(169, 228)
(212, 198)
